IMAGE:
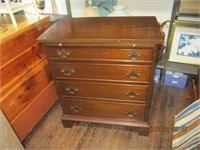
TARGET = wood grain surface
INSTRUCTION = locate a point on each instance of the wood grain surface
(116, 72)
(99, 54)
(167, 102)
(17, 40)
(23, 94)
(111, 53)
(104, 30)
(25, 77)
(104, 91)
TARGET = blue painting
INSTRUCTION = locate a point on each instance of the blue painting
(189, 45)
(104, 6)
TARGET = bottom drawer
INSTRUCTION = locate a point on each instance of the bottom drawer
(103, 109)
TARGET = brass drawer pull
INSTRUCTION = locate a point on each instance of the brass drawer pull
(131, 114)
(134, 56)
(132, 94)
(63, 53)
(133, 74)
(71, 90)
(67, 71)
(76, 108)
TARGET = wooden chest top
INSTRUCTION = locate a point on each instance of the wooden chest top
(25, 23)
(106, 30)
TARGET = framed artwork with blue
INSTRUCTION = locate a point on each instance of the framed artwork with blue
(184, 43)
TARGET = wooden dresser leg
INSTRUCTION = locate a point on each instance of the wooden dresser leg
(143, 131)
(67, 123)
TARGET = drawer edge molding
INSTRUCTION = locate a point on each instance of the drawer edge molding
(66, 119)
(105, 100)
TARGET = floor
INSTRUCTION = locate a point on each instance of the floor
(166, 102)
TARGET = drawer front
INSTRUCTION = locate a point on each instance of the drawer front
(120, 92)
(103, 109)
(131, 73)
(21, 64)
(69, 53)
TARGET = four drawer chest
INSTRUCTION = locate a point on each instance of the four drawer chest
(103, 68)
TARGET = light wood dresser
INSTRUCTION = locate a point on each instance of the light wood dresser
(26, 85)
(103, 68)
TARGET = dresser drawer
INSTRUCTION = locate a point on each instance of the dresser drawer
(120, 92)
(103, 109)
(69, 53)
(131, 73)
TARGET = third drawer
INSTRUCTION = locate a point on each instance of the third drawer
(119, 92)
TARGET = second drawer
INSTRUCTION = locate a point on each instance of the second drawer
(120, 92)
(125, 73)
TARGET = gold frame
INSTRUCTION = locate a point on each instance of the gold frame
(179, 28)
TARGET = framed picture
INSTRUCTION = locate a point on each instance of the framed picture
(184, 43)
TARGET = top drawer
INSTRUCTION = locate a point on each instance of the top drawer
(69, 53)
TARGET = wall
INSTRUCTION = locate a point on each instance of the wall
(59, 6)
(160, 8)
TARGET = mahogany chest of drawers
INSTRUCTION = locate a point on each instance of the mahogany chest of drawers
(103, 67)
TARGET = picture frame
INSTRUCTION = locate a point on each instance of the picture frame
(184, 43)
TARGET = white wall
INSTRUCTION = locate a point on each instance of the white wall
(160, 8)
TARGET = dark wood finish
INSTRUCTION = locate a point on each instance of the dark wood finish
(103, 91)
(151, 85)
(122, 111)
(101, 54)
(70, 120)
(166, 103)
(90, 56)
(102, 71)
(111, 31)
